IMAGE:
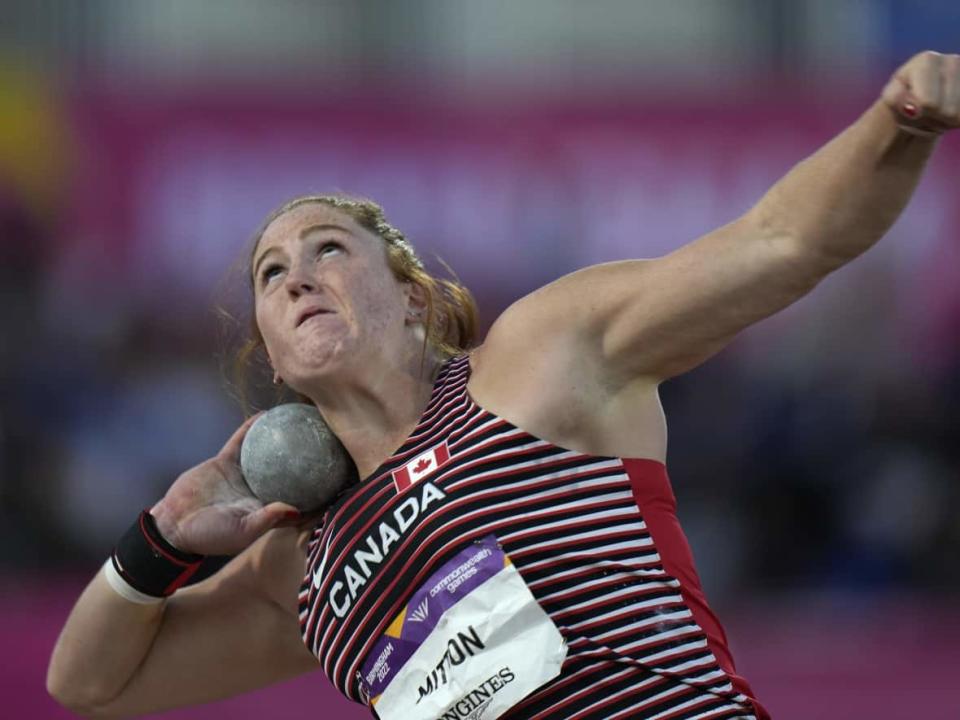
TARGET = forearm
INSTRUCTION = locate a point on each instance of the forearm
(840, 201)
(100, 648)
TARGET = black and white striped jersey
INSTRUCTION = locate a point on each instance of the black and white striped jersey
(596, 539)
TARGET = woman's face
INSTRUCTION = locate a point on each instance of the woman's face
(324, 295)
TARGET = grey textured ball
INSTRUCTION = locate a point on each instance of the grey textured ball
(289, 454)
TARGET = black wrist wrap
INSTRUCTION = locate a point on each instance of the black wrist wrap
(149, 563)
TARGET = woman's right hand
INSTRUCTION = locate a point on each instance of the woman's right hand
(210, 510)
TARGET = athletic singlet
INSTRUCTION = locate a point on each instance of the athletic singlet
(596, 539)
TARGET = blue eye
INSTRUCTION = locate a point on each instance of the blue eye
(270, 272)
(329, 245)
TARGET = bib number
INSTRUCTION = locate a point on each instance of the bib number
(471, 643)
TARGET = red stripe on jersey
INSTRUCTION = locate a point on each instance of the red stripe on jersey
(655, 499)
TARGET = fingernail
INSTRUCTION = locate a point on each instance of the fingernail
(291, 515)
(910, 110)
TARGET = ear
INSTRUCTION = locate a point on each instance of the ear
(416, 303)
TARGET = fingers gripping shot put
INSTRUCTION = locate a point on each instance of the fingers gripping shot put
(289, 455)
(509, 545)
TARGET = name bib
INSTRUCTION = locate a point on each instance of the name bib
(471, 643)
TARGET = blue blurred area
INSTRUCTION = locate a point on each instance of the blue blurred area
(917, 25)
(141, 144)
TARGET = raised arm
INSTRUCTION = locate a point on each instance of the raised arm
(657, 318)
(235, 631)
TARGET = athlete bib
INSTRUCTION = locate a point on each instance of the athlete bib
(472, 642)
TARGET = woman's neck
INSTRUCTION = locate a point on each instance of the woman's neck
(375, 409)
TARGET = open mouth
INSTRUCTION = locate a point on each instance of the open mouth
(313, 312)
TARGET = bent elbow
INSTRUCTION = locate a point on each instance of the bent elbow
(82, 699)
(71, 702)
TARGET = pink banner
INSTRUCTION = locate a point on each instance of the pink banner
(829, 657)
(168, 191)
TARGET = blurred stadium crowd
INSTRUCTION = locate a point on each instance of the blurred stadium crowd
(142, 146)
(142, 143)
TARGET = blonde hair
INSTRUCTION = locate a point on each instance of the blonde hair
(451, 312)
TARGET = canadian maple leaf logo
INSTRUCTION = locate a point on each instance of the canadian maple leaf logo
(422, 465)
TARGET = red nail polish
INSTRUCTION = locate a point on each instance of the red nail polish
(291, 515)
(910, 110)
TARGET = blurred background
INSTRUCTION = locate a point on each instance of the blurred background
(816, 461)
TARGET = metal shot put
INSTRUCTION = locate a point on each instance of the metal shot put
(290, 455)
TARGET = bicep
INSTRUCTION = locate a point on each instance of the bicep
(689, 304)
(658, 318)
(219, 638)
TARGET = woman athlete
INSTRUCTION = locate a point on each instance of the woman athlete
(512, 549)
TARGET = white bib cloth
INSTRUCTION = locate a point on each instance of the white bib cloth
(472, 642)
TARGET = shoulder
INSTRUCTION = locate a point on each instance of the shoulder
(562, 326)
(575, 313)
(545, 367)
(541, 363)
(577, 303)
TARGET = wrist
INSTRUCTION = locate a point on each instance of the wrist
(148, 565)
(124, 589)
(918, 132)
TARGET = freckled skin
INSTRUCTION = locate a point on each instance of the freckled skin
(350, 278)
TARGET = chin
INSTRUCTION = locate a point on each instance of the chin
(318, 361)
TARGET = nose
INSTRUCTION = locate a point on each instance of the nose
(299, 282)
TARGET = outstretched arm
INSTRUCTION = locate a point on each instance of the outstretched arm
(657, 318)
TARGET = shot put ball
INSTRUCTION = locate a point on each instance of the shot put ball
(289, 454)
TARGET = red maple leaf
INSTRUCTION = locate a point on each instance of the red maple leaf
(422, 465)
